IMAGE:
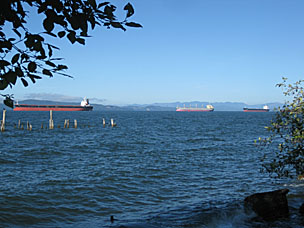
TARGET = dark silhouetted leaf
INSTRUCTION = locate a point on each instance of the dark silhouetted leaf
(24, 82)
(8, 102)
(62, 67)
(103, 4)
(71, 37)
(24, 57)
(117, 25)
(19, 72)
(50, 51)
(61, 34)
(50, 63)
(132, 24)
(92, 3)
(34, 76)
(11, 77)
(41, 57)
(48, 25)
(47, 72)
(3, 84)
(56, 59)
(4, 63)
(81, 41)
(32, 66)
(130, 9)
(15, 58)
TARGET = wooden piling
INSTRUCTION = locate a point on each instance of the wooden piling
(27, 125)
(30, 127)
(75, 123)
(103, 122)
(51, 122)
(3, 121)
(41, 125)
(19, 124)
(113, 124)
(68, 123)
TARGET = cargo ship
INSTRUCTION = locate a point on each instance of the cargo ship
(264, 109)
(84, 106)
(209, 108)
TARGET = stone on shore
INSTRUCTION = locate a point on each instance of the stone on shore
(301, 210)
(269, 205)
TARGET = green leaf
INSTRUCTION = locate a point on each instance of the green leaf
(32, 66)
(130, 9)
(61, 34)
(47, 72)
(24, 82)
(133, 24)
(15, 58)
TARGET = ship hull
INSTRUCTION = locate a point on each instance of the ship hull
(255, 110)
(52, 107)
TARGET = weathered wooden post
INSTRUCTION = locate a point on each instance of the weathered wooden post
(41, 125)
(19, 124)
(112, 123)
(51, 122)
(68, 123)
(64, 125)
(75, 123)
(3, 120)
(103, 122)
(27, 125)
(30, 127)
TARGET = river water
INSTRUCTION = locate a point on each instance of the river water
(158, 169)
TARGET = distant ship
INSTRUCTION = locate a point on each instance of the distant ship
(209, 108)
(264, 109)
(84, 106)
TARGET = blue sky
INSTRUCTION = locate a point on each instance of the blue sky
(202, 50)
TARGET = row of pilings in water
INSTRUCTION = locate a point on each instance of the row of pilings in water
(50, 125)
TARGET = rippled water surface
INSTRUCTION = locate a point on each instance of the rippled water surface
(163, 169)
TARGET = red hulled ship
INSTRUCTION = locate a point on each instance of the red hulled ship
(84, 106)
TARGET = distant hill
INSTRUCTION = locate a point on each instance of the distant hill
(218, 106)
